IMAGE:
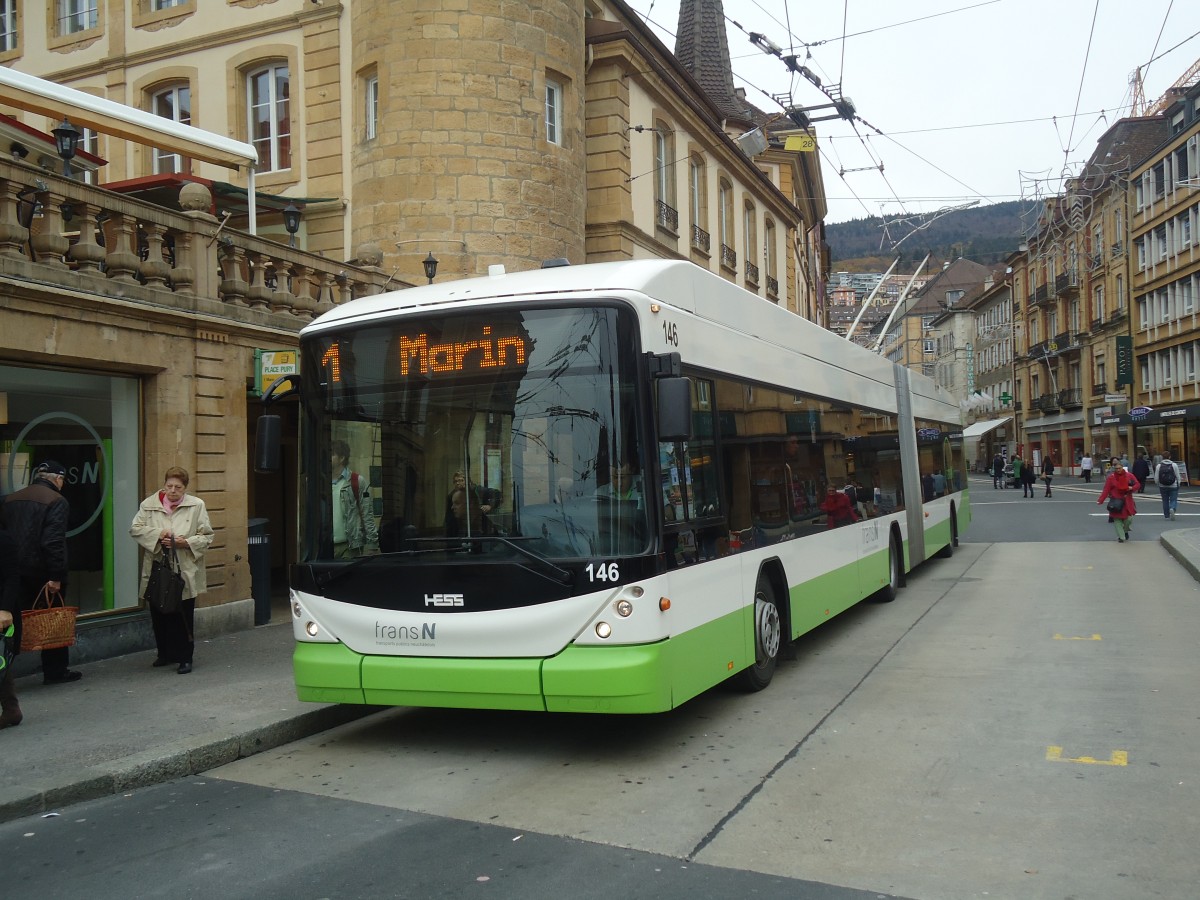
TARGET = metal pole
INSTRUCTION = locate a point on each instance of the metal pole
(899, 303)
(867, 302)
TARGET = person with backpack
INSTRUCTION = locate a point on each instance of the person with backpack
(354, 530)
(1167, 476)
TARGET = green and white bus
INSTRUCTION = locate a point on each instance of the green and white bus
(595, 488)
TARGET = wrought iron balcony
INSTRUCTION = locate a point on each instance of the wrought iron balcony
(700, 238)
(751, 274)
(668, 217)
(1066, 282)
(772, 286)
(1046, 402)
(1099, 390)
(728, 257)
(1041, 295)
(1070, 398)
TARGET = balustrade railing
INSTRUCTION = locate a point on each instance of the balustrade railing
(86, 237)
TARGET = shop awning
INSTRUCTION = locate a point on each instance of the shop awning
(979, 429)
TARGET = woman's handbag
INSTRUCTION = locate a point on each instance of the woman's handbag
(1115, 504)
(49, 623)
(164, 589)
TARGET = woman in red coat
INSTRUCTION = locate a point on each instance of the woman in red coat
(1119, 488)
(837, 508)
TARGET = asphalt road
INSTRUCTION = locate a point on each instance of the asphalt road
(1019, 723)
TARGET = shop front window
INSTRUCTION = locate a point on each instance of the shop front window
(89, 423)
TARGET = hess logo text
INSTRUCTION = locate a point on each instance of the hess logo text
(443, 599)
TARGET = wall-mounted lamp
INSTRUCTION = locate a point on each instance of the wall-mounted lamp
(66, 141)
(291, 221)
(430, 264)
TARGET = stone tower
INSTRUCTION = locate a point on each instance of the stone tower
(462, 165)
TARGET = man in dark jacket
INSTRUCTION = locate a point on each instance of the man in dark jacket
(1141, 471)
(36, 518)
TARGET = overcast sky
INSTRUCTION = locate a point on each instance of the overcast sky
(977, 100)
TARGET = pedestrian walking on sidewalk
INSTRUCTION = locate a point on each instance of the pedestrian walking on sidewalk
(10, 617)
(173, 518)
(1167, 476)
(1048, 474)
(1085, 467)
(36, 518)
(1119, 488)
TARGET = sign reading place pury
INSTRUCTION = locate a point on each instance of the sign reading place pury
(271, 365)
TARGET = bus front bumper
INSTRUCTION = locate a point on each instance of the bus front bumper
(632, 679)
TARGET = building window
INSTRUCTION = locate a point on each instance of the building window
(268, 92)
(725, 224)
(8, 25)
(371, 101)
(1098, 303)
(666, 215)
(174, 103)
(75, 16)
(95, 435)
(770, 258)
(90, 142)
(554, 105)
(157, 5)
(697, 191)
(750, 241)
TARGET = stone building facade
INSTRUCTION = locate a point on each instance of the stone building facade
(478, 133)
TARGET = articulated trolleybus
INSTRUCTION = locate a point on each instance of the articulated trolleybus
(600, 488)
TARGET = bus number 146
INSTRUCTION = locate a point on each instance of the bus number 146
(603, 572)
(671, 333)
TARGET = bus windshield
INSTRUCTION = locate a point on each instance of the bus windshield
(510, 434)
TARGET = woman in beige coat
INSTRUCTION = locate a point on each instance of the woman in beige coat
(172, 518)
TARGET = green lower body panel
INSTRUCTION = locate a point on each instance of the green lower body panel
(609, 679)
(823, 597)
(580, 679)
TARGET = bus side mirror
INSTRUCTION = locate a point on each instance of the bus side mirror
(267, 440)
(674, 409)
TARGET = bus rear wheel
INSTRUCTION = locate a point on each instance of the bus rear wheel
(768, 637)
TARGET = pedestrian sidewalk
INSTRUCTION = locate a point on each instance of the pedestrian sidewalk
(126, 725)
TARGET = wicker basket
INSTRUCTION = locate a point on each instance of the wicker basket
(49, 624)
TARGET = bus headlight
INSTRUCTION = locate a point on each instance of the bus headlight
(311, 628)
(603, 630)
(297, 609)
(624, 609)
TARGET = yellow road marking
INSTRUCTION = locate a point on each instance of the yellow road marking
(1118, 758)
(1094, 637)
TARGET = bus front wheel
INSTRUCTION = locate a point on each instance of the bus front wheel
(768, 637)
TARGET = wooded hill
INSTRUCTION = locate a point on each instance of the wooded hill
(984, 234)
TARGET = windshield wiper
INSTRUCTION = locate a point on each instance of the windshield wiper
(559, 574)
(328, 576)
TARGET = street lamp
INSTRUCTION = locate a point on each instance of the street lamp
(430, 263)
(291, 221)
(66, 141)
